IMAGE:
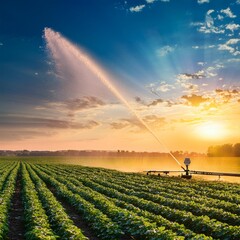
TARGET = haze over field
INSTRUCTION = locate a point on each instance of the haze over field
(176, 63)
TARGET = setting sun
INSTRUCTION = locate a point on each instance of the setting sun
(211, 130)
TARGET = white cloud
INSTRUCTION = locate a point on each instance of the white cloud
(212, 29)
(232, 26)
(201, 63)
(233, 41)
(202, 1)
(137, 8)
(210, 46)
(186, 79)
(228, 12)
(183, 77)
(152, 1)
(164, 87)
(210, 11)
(196, 24)
(203, 47)
(234, 60)
(208, 26)
(165, 50)
(220, 17)
(236, 53)
(225, 47)
(209, 20)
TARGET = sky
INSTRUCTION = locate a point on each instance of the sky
(176, 63)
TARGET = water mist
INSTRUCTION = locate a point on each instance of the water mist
(56, 41)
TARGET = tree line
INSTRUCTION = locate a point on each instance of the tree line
(225, 150)
(97, 153)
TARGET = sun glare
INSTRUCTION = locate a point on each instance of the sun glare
(211, 130)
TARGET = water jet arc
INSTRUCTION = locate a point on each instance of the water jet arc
(52, 36)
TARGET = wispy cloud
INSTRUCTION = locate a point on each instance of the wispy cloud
(220, 17)
(156, 102)
(233, 41)
(194, 100)
(201, 63)
(118, 125)
(232, 26)
(151, 1)
(152, 120)
(196, 24)
(234, 60)
(230, 46)
(225, 47)
(193, 83)
(227, 95)
(83, 103)
(36, 123)
(208, 26)
(203, 47)
(165, 87)
(73, 106)
(189, 76)
(139, 100)
(187, 85)
(155, 120)
(137, 8)
(202, 1)
(133, 122)
(228, 13)
(20, 135)
(161, 52)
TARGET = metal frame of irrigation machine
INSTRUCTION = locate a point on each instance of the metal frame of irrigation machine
(188, 173)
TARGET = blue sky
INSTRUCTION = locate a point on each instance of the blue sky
(169, 58)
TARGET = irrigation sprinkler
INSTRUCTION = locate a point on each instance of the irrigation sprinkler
(187, 173)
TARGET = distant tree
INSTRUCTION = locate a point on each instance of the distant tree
(225, 150)
(236, 150)
(211, 152)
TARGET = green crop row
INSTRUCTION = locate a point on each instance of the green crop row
(6, 196)
(116, 205)
(36, 220)
(100, 223)
(131, 223)
(201, 206)
(58, 218)
(201, 224)
(158, 219)
(200, 188)
(5, 174)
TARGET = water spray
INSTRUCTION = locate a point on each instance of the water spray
(52, 37)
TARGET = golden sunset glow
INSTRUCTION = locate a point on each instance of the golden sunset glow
(211, 130)
(131, 86)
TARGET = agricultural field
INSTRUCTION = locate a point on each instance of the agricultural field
(57, 201)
